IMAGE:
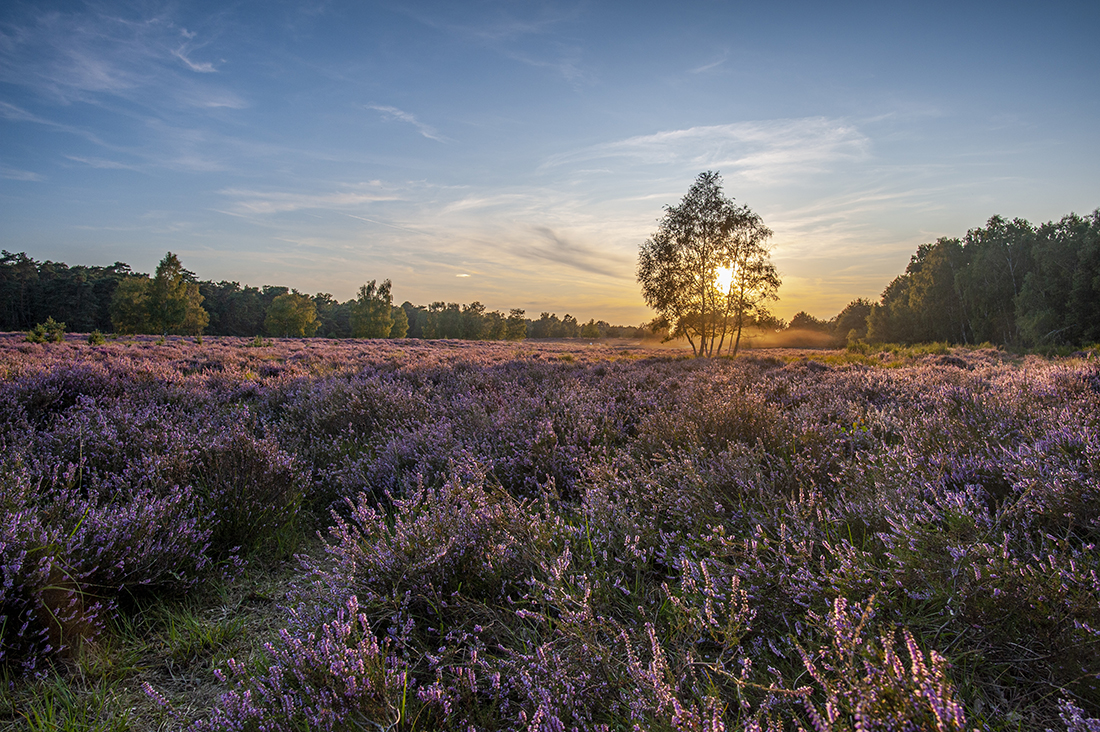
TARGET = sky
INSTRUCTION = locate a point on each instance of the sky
(519, 153)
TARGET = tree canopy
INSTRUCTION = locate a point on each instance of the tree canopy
(1009, 283)
(706, 270)
(372, 311)
(291, 315)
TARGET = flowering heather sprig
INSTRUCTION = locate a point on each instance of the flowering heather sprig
(867, 684)
(336, 678)
(1075, 719)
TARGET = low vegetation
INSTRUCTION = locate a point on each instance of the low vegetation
(545, 537)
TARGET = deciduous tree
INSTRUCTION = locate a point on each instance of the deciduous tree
(706, 270)
(372, 311)
(291, 315)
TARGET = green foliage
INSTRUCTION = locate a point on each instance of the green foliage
(129, 305)
(48, 332)
(31, 291)
(516, 325)
(170, 302)
(174, 302)
(60, 707)
(1008, 283)
(400, 327)
(95, 338)
(372, 311)
(291, 315)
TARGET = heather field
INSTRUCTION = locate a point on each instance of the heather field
(241, 534)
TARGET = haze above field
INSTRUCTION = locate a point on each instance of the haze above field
(518, 154)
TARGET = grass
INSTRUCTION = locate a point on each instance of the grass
(174, 645)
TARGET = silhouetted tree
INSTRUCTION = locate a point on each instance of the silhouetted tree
(851, 322)
(679, 268)
(804, 321)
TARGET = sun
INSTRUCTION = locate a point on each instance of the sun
(723, 278)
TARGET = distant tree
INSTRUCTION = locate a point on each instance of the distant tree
(291, 315)
(570, 328)
(995, 261)
(444, 320)
(129, 305)
(851, 322)
(706, 270)
(174, 301)
(547, 326)
(804, 321)
(400, 327)
(473, 321)
(590, 329)
(334, 317)
(516, 325)
(18, 277)
(371, 313)
(1059, 301)
(494, 326)
(415, 315)
(764, 320)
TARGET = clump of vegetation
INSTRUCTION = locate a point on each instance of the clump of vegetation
(48, 332)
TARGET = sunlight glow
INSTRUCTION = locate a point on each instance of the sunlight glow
(723, 278)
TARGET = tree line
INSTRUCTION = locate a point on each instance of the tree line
(1008, 283)
(174, 301)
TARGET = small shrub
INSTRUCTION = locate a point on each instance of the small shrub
(49, 332)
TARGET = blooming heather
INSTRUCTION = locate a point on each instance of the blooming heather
(556, 538)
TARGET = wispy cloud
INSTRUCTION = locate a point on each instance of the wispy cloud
(471, 203)
(18, 114)
(101, 163)
(202, 67)
(711, 65)
(394, 113)
(16, 174)
(88, 54)
(260, 202)
(527, 40)
(553, 246)
(769, 152)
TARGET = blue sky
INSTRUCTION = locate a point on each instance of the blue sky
(518, 153)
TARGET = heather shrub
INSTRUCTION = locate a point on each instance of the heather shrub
(24, 569)
(431, 541)
(338, 678)
(251, 489)
(861, 682)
